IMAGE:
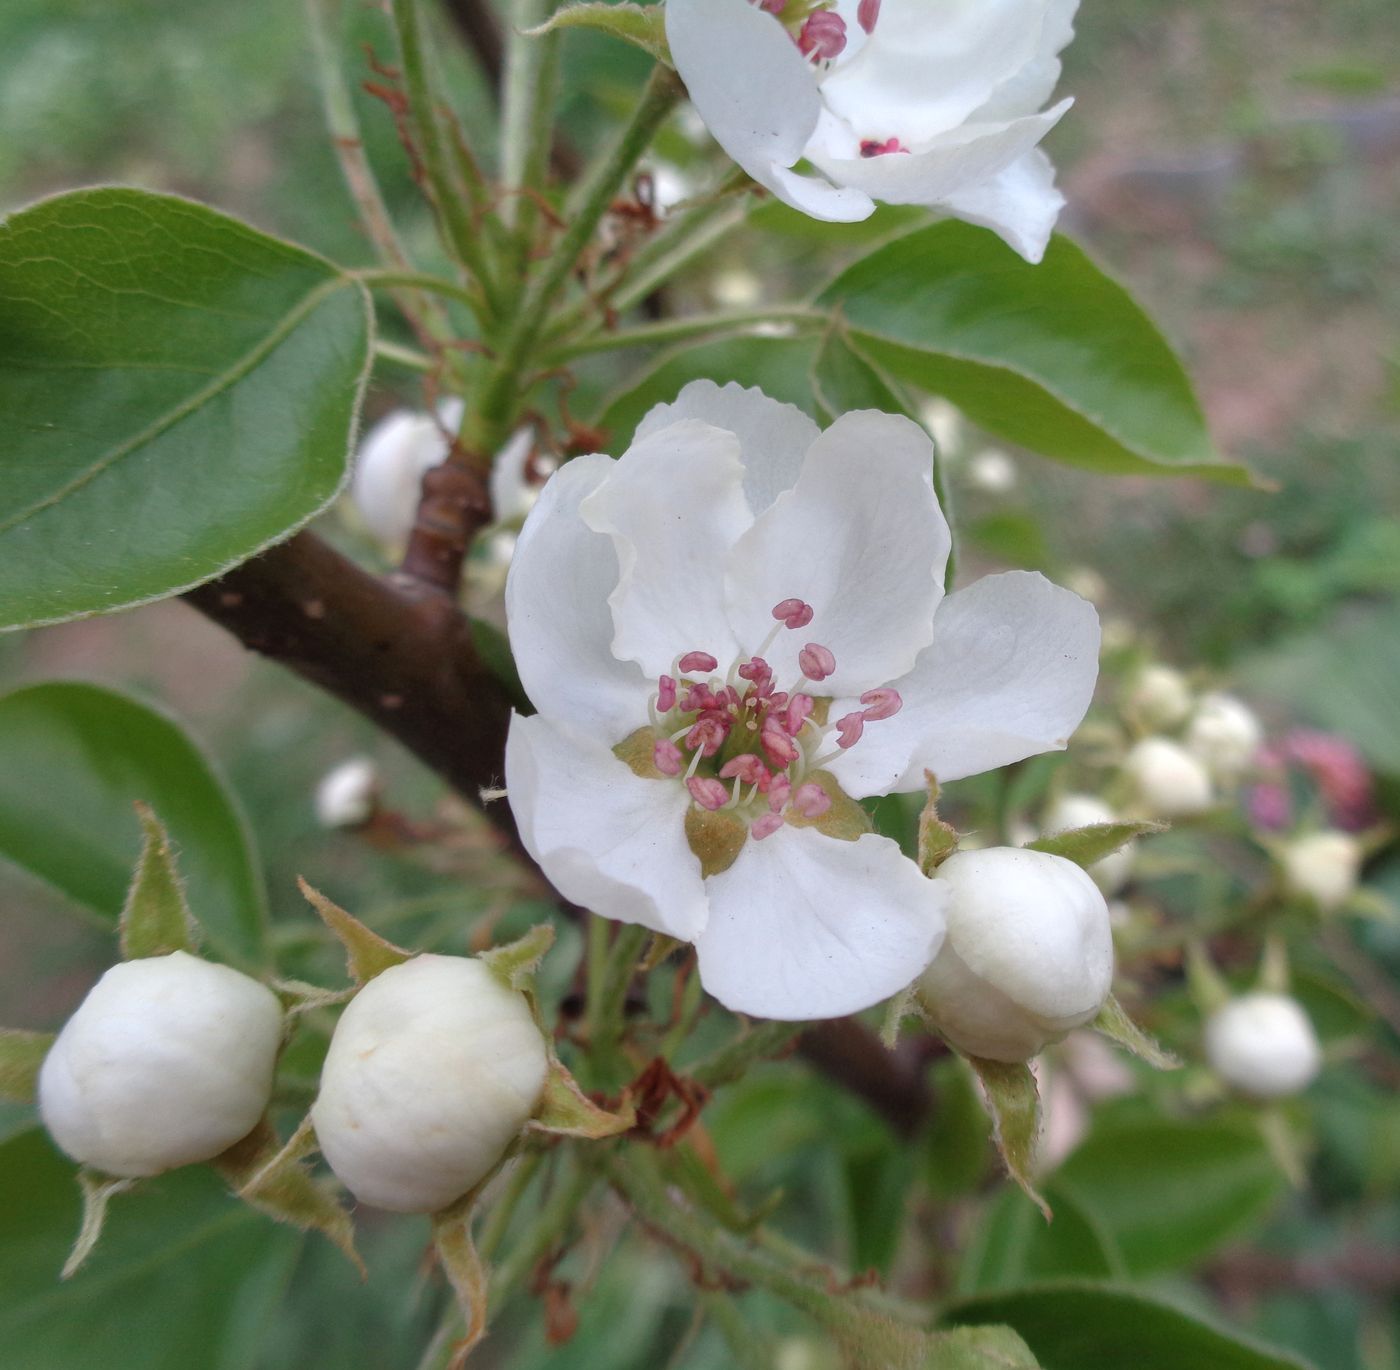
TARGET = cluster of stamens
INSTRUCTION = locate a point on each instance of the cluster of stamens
(752, 747)
(819, 32)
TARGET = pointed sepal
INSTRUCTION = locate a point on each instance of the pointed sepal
(97, 1190)
(515, 964)
(1113, 1022)
(937, 840)
(643, 27)
(156, 918)
(367, 954)
(272, 1177)
(979, 1348)
(1274, 975)
(465, 1270)
(299, 997)
(566, 1111)
(1013, 1100)
(1209, 988)
(21, 1055)
(904, 1005)
(1087, 846)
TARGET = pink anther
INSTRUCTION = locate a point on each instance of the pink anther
(823, 36)
(810, 800)
(708, 734)
(697, 662)
(748, 768)
(773, 6)
(708, 792)
(867, 14)
(698, 698)
(815, 661)
(793, 613)
(884, 703)
(798, 711)
(873, 147)
(666, 757)
(666, 694)
(779, 792)
(765, 826)
(780, 749)
(850, 729)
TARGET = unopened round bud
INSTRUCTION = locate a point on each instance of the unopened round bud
(1160, 697)
(1323, 867)
(1167, 780)
(1072, 811)
(992, 470)
(434, 1068)
(168, 1061)
(345, 796)
(1264, 1045)
(1028, 955)
(1224, 735)
(389, 467)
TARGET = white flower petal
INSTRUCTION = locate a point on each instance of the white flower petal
(607, 839)
(773, 436)
(557, 608)
(674, 505)
(1019, 204)
(1009, 675)
(935, 170)
(511, 494)
(861, 538)
(922, 71)
(1032, 86)
(805, 926)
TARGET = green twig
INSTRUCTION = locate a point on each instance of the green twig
(527, 122)
(682, 329)
(729, 1062)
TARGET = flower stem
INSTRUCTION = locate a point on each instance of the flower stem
(729, 1062)
(377, 278)
(527, 122)
(608, 982)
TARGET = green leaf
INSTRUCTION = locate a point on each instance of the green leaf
(643, 27)
(180, 391)
(1057, 357)
(1115, 1024)
(1085, 846)
(1171, 1192)
(1075, 1326)
(74, 759)
(980, 1348)
(21, 1055)
(844, 378)
(156, 919)
(1014, 1103)
(367, 954)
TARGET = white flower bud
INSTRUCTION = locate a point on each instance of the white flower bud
(346, 794)
(1323, 866)
(1072, 811)
(1264, 1045)
(1224, 734)
(435, 1066)
(992, 470)
(391, 463)
(1168, 781)
(1028, 955)
(1160, 697)
(168, 1061)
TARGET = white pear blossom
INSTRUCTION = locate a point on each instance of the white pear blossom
(1225, 734)
(896, 100)
(167, 1061)
(346, 794)
(433, 1069)
(1323, 867)
(731, 634)
(1264, 1045)
(1028, 956)
(1070, 811)
(1167, 781)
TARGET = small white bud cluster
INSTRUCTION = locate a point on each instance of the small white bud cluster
(434, 1068)
(1323, 867)
(168, 1061)
(1264, 1045)
(1028, 954)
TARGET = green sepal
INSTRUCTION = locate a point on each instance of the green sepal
(1013, 1100)
(642, 27)
(1209, 988)
(21, 1055)
(565, 1110)
(156, 918)
(466, 1271)
(937, 840)
(658, 950)
(845, 820)
(367, 954)
(271, 1176)
(1274, 976)
(904, 1005)
(979, 1348)
(1114, 1023)
(515, 964)
(97, 1189)
(299, 997)
(1087, 846)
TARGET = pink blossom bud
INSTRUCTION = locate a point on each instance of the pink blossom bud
(880, 704)
(810, 800)
(850, 729)
(666, 757)
(815, 661)
(708, 792)
(793, 613)
(697, 661)
(823, 36)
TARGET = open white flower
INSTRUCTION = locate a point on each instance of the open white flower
(893, 100)
(730, 635)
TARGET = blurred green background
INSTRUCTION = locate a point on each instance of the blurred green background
(1237, 165)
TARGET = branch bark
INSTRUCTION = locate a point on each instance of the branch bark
(893, 1083)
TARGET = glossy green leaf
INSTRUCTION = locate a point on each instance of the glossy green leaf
(180, 390)
(74, 760)
(1057, 357)
(1078, 1326)
(1171, 1192)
